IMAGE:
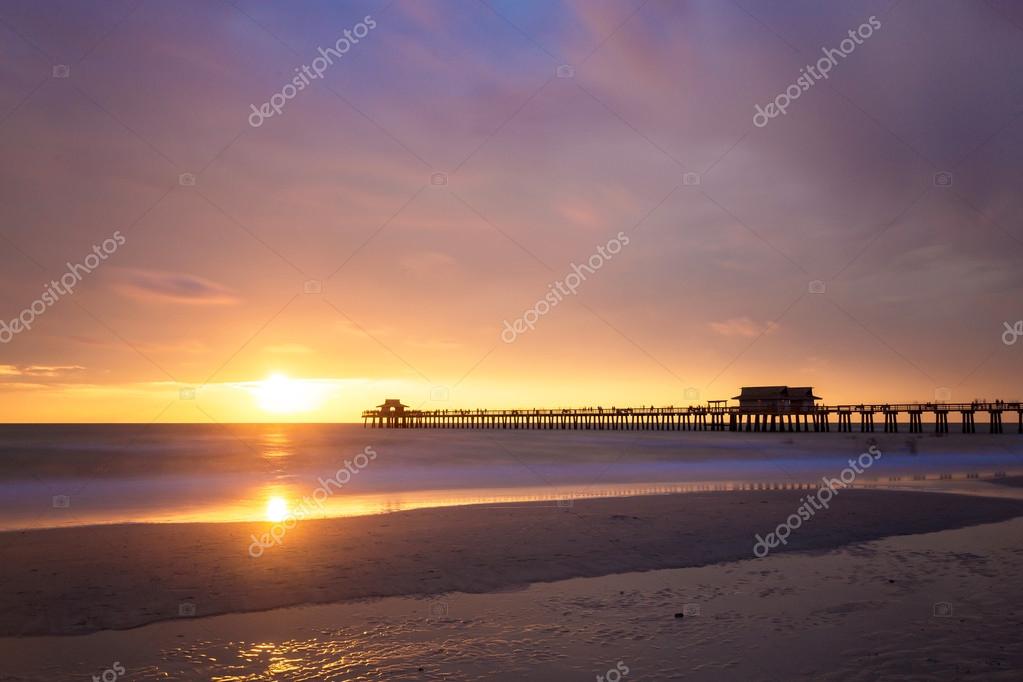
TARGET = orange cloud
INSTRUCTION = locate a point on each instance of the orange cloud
(47, 371)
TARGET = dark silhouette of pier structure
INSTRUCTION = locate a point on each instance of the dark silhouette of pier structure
(760, 409)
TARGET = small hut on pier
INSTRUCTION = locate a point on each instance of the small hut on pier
(776, 399)
(392, 413)
(392, 407)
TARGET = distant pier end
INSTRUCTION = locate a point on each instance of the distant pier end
(760, 408)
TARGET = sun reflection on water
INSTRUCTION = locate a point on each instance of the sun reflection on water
(276, 445)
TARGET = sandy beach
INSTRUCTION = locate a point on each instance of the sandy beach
(499, 593)
(76, 581)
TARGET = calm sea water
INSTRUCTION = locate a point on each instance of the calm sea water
(55, 475)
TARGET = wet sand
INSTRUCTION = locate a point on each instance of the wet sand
(936, 606)
(81, 580)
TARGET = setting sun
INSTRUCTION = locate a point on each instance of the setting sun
(276, 509)
(281, 395)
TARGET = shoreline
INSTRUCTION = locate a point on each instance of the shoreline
(978, 486)
(71, 581)
(745, 618)
(384, 504)
(201, 476)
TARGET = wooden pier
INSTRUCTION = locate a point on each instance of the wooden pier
(713, 417)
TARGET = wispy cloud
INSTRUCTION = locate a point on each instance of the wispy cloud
(39, 371)
(743, 326)
(174, 287)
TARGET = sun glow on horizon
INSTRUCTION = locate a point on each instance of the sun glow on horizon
(276, 509)
(280, 394)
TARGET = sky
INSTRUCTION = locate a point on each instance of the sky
(377, 235)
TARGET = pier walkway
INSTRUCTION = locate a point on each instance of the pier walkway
(847, 418)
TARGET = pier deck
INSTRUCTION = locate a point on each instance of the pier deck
(706, 418)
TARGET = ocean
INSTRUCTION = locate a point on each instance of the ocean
(69, 474)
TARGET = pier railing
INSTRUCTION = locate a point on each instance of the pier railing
(703, 418)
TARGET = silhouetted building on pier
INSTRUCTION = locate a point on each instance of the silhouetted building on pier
(392, 412)
(776, 399)
(393, 406)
